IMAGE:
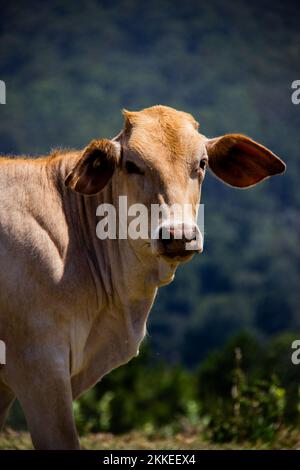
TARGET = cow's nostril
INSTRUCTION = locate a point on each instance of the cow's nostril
(194, 235)
(166, 234)
(189, 233)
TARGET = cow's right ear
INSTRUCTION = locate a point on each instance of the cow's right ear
(240, 161)
(95, 167)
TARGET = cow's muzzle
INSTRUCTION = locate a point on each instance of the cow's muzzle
(178, 241)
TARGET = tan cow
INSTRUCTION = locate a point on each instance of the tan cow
(74, 307)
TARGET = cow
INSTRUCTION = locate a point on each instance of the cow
(74, 306)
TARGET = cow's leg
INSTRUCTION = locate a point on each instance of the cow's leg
(6, 400)
(44, 392)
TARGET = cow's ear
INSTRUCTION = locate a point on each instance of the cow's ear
(240, 161)
(95, 167)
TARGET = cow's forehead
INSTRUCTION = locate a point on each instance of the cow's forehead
(162, 130)
(163, 114)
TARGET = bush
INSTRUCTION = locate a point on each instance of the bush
(254, 412)
(268, 389)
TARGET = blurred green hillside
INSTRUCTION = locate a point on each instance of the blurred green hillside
(70, 67)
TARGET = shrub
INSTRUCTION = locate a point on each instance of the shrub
(254, 411)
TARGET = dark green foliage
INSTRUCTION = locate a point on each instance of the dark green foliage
(254, 414)
(250, 389)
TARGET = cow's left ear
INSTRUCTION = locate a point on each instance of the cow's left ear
(95, 167)
(240, 161)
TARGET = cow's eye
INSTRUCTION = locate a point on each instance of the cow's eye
(203, 163)
(132, 168)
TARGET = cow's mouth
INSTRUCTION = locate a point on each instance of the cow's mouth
(179, 257)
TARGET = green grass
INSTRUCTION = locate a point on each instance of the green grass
(10, 439)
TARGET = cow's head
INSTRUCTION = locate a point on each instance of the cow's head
(161, 158)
